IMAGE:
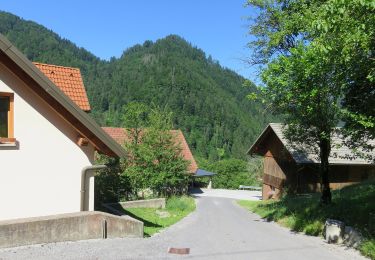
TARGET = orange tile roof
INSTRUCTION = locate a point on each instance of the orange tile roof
(69, 80)
(120, 135)
(186, 153)
(117, 133)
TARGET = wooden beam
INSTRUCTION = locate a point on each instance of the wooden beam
(82, 141)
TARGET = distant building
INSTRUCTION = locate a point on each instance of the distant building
(121, 136)
(298, 170)
(47, 139)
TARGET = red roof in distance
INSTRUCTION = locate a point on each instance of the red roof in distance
(120, 135)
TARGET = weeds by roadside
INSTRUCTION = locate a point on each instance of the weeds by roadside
(157, 219)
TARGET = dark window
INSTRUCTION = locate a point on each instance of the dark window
(4, 112)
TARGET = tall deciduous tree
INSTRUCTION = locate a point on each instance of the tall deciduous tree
(155, 159)
(299, 86)
(319, 58)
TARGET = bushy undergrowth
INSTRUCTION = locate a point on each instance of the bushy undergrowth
(353, 205)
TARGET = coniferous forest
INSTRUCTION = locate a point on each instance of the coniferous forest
(208, 101)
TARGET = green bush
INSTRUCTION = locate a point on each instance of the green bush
(231, 173)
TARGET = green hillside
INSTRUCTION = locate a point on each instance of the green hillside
(208, 101)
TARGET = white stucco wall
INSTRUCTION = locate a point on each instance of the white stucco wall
(42, 174)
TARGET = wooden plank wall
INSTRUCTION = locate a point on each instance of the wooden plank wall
(273, 168)
(278, 166)
(280, 170)
(339, 176)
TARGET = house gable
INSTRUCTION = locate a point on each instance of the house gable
(34, 79)
(41, 169)
(269, 144)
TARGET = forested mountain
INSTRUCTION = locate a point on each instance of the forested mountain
(208, 101)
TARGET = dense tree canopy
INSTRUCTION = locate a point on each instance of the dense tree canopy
(319, 69)
(300, 87)
(343, 30)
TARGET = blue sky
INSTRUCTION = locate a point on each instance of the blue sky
(107, 28)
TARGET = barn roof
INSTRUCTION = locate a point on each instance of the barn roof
(121, 136)
(69, 80)
(340, 153)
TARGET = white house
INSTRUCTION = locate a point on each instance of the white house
(47, 139)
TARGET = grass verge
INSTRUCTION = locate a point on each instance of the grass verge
(156, 219)
(355, 205)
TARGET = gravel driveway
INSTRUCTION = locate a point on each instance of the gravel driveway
(218, 229)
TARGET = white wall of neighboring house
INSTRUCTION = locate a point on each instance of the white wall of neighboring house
(41, 175)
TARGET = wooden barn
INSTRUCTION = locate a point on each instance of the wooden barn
(297, 171)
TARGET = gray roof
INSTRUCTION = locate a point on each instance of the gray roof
(82, 122)
(202, 173)
(340, 153)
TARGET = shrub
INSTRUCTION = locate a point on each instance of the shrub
(231, 173)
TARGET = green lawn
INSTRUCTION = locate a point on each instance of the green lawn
(176, 209)
(355, 205)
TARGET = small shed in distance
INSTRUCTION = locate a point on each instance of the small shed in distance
(297, 171)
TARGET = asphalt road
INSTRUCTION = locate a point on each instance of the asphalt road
(232, 194)
(218, 229)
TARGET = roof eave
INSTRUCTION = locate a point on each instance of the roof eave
(107, 144)
(258, 140)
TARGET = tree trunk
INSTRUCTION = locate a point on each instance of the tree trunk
(325, 148)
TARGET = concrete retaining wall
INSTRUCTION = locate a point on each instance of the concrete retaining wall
(151, 203)
(67, 227)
